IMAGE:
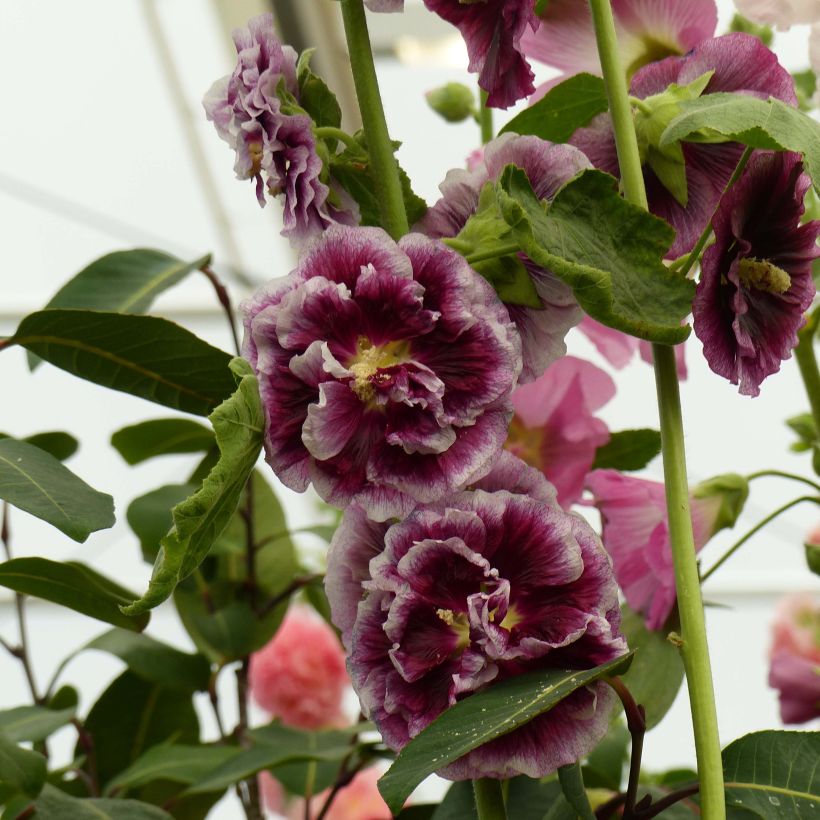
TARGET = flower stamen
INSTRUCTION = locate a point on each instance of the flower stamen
(763, 275)
(369, 360)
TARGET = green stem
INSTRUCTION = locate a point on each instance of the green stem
(385, 171)
(694, 649)
(328, 132)
(485, 117)
(782, 474)
(807, 362)
(489, 799)
(757, 527)
(572, 785)
(506, 249)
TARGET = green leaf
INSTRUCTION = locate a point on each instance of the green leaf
(131, 716)
(149, 516)
(54, 804)
(58, 444)
(145, 356)
(609, 251)
(458, 803)
(528, 799)
(758, 123)
(32, 723)
(656, 673)
(805, 84)
(177, 763)
(803, 425)
(774, 774)
(21, 769)
(572, 786)
(562, 110)
(72, 585)
(33, 480)
(628, 450)
(763, 32)
(160, 437)
(154, 661)
(314, 95)
(239, 423)
(604, 768)
(482, 717)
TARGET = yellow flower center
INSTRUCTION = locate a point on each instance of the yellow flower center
(459, 624)
(763, 275)
(369, 360)
(525, 442)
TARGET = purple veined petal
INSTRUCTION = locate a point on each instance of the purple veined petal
(511, 473)
(332, 421)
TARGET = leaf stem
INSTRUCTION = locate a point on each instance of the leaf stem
(757, 527)
(248, 789)
(636, 723)
(385, 171)
(807, 362)
(782, 474)
(505, 249)
(225, 301)
(695, 650)
(572, 785)
(328, 132)
(485, 117)
(489, 799)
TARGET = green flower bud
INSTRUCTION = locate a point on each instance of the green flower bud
(454, 101)
(729, 493)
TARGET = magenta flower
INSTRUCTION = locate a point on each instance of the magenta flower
(385, 370)
(273, 139)
(479, 588)
(555, 429)
(547, 167)
(756, 280)
(741, 63)
(646, 32)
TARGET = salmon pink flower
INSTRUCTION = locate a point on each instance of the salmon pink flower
(385, 370)
(547, 167)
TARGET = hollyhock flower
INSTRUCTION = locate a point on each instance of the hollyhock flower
(646, 31)
(636, 533)
(385, 370)
(299, 675)
(273, 139)
(780, 13)
(740, 63)
(756, 280)
(554, 427)
(359, 800)
(482, 587)
(547, 167)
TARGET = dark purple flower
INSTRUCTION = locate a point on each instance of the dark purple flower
(492, 31)
(272, 137)
(756, 280)
(741, 63)
(482, 587)
(385, 370)
(547, 167)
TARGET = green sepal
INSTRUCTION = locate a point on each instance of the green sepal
(732, 490)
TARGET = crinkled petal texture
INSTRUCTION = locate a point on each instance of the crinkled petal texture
(492, 31)
(636, 535)
(742, 64)
(481, 588)
(756, 280)
(554, 428)
(275, 148)
(385, 371)
(547, 167)
(647, 30)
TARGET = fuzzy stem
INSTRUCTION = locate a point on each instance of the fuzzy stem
(807, 362)
(485, 117)
(489, 799)
(385, 171)
(694, 649)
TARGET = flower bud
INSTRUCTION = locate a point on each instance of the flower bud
(454, 101)
(729, 493)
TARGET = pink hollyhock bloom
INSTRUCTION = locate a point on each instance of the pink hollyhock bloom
(359, 800)
(299, 675)
(647, 31)
(756, 279)
(741, 64)
(273, 141)
(554, 427)
(385, 370)
(547, 167)
(482, 587)
(780, 13)
(636, 535)
(274, 799)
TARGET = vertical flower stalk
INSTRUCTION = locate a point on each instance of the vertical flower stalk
(694, 648)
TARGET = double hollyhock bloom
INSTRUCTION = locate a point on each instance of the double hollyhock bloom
(547, 167)
(481, 587)
(795, 658)
(756, 280)
(385, 370)
(554, 427)
(741, 64)
(273, 139)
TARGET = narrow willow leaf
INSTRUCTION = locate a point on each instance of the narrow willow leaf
(33, 480)
(774, 774)
(482, 717)
(238, 423)
(562, 110)
(758, 123)
(72, 585)
(155, 661)
(160, 437)
(628, 450)
(54, 804)
(32, 723)
(150, 518)
(607, 250)
(145, 356)
(21, 769)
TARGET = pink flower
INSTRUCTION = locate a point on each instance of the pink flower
(554, 427)
(359, 800)
(781, 13)
(796, 627)
(299, 676)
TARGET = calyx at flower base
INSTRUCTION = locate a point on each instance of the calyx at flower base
(730, 492)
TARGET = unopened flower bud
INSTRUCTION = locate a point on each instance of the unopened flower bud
(729, 493)
(454, 101)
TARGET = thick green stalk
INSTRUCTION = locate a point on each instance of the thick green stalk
(807, 362)
(694, 648)
(489, 799)
(485, 117)
(385, 171)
